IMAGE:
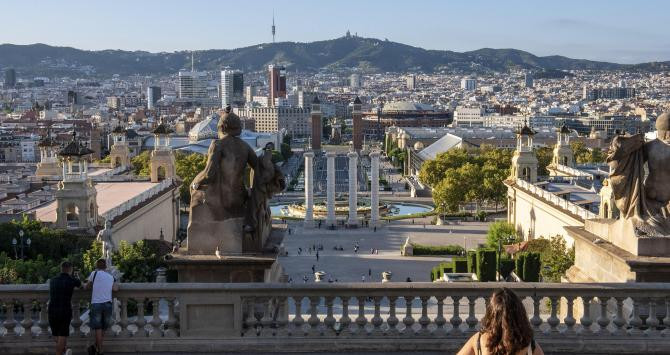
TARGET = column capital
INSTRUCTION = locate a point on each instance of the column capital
(309, 154)
(331, 154)
(352, 155)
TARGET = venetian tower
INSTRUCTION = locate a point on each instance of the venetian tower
(119, 154)
(162, 163)
(76, 195)
(524, 161)
(48, 165)
(562, 151)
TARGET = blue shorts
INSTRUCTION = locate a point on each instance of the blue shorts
(100, 315)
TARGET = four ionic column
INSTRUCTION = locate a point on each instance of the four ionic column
(309, 190)
(330, 188)
(374, 188)
(353, 189)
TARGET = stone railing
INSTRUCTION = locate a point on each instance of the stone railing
(574, 172)
(573, 208)
(622, 318)
(135, 201)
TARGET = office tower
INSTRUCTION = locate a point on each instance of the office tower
(232, 88)
(10, 78)
(528, 80)
(355, 81)
(153, 95)
(249, 93)
(317, 128)
(469, 84)
(192, 85)
(411, 82)
(74, 98)
(114, 102)
(238, 89)
(277, 81)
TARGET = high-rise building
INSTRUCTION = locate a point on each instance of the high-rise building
(249, 93)
(528, 80)
(153, 95)
(411, 82)
(192, 85)
(277, 81)
(114, 102)
(355, 81)
(469, 84)
(294, 120)
(608, 93)
(10, 78)
(232, 88)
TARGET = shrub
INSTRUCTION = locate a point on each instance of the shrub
(506, 266)
(437, 250)
(531, 266)
(519, 265)
(472, 261)
(501, 231)
(486, 265)
(460, 264)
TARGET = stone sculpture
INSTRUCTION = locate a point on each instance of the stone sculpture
(222, 208)
(108, 246)
(642, 201)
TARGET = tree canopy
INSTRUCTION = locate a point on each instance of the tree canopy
(501, 231)
(584, 155)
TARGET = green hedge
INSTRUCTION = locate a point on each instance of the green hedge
(437, 250)
(519, 261)
(486, 265)
(506, 266)
(472, 261)
(460, 265)
(531, 267)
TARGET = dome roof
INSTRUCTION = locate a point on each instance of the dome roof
(525, 130)
(564, 129)
(75, 148)
(407, 106)
(418, 146)
(205, 129)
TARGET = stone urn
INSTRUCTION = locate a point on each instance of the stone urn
(386, 276)
(318, 276)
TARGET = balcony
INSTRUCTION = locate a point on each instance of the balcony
(361, 317)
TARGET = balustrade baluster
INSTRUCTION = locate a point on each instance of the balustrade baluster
(569, 319)
(603, 320)
(553, 320)
(666, 320)
(361, 321)
(298, 320)
(652, 320)
(635, 321)
(472, 320)
(123, 322)
(329, 321)
(536, 321)
(250, 319)
(424, 320)
(377, 319)
(10, 322)
(314, 320)
(408, 321)
(392, 319)
(266, 318)
(140, 322)
(27, 321)
(258, 326)
(586, 320)
(76, 322)
(345, 320)
(44, 320)
(156, 321)
(619, 321)
(280, 318)
(456, 318)
(440, 321)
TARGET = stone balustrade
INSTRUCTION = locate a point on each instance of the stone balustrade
(574, 172)
(575, 209)
(135, 201)
(623, 318)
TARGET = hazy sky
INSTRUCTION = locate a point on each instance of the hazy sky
(615, 30)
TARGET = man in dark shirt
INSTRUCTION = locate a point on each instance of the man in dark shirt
(60, 306)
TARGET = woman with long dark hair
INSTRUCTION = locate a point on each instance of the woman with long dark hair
(505, 329)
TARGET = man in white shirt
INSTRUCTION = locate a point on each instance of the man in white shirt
(100, 314)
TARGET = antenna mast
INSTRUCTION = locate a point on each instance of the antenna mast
(273, 26)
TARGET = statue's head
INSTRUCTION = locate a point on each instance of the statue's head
(229, 124)
(663, 127)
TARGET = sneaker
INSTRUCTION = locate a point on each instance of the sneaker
(68, 352)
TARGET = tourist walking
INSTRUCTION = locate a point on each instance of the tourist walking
(60, 306)
(102, 284)
(505, 329)
(313, 269)
(317, 256)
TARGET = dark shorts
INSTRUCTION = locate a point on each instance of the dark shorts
(100, 316)
(60, 324)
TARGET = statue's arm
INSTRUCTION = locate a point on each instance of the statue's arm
(212, 166)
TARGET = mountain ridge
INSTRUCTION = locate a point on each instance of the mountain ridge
(348, 52)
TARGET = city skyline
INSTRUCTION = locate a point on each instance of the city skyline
(598, 30)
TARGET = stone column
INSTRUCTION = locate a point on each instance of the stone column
(353, 189)
(374, 189)
(330, 189)
(309, 190)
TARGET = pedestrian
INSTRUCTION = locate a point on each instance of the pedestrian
(408, 279)
(370, 272)
(102, 283)
(317, 256)
(289, 231)
(362, 278)
(304, 278)
(313, 269)
(375, 229)
(60, 306)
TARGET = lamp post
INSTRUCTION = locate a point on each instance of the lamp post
(25, 243)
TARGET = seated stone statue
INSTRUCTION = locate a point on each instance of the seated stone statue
(218, 194)
(268, 180)
(644, 202)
